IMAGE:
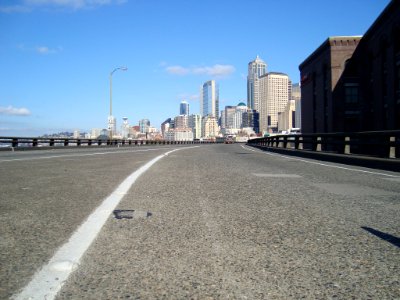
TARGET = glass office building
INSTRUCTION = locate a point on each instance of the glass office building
(209, 101)
(256, 69)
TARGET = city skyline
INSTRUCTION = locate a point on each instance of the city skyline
(58, 57)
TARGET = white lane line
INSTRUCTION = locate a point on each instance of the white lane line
(320, 164)
(77, 155)
(50, 278)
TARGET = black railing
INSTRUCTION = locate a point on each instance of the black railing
(28, 142)
(384, 144)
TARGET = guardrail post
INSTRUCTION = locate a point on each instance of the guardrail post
(282, 142)
(285, 142)
(347, 148)
(78, 142)
(14, 143)
(298, 143)
(34, 142)
(392, 149)
(318, 147)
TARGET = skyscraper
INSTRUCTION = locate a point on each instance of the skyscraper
(274, 96)
(144, 125)
(181, 121)
(125, 128)
(251, 119)
(229, 116)
(166, 125)
(184, 108)
(256, 69)
(209, 127)
(195, 125)
(296, 96)
(209, 99)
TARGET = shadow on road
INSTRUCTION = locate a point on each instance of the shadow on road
(384, 236)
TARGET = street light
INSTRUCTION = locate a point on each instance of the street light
(110, 118)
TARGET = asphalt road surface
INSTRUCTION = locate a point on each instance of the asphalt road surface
(207, 222)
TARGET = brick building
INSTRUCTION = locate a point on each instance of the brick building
(352, 83)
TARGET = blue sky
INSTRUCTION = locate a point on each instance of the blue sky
(56, 55)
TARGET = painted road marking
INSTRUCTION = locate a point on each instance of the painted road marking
(77, 155)
(321, 164)
(50, 278)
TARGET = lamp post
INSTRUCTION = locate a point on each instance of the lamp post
(111, 118)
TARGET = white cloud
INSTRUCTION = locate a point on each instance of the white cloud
(75, 4)
(43, 50)
(47, 50)
(192, 97)
(177, 70)
(13, 111)
(215, 71)
(40, 49)
(29, 5)
(14, 9)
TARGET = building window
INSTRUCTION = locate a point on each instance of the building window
(351, 93)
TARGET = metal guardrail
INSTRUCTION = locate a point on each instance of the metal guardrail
(385, 144)
(27, 142)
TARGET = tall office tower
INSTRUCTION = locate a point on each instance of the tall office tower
(181, 121)
(287, 119)
(144, 125)
(274, 96)
(296, 96)
(209, 127)
(222, 120)
(184, 108)
(256, 69)
(209, 99)
(195, 125)
(125, 128)
(165, 126)
(241, 108)
(251, 119)
(229, 116)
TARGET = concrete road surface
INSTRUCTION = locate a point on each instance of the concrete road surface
(212, 222)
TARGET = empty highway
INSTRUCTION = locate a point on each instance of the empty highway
(195, 222)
